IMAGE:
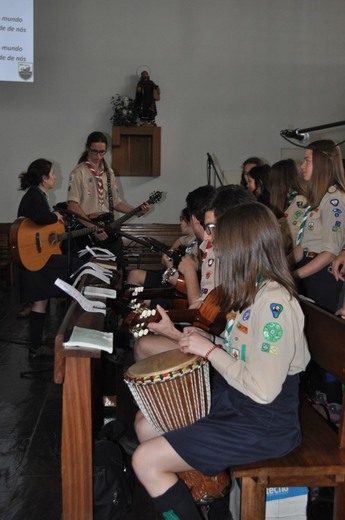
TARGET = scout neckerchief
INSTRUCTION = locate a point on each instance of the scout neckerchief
(302, 225)
(230, 319)
(231, 315)
(98, 176)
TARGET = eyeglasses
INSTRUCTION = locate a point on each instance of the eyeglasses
(209, 228)
(98, 152)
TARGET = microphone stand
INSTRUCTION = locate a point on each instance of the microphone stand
(321, 127)
(210, 164)
(302, 131)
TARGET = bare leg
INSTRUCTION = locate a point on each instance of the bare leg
(152, 344)
(136, 277)
(39, 306)
(156, 463)
(143, 428)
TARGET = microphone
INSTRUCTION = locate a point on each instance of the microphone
(295, 134)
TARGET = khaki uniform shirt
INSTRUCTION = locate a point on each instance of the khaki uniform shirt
(324, 229)
(83, 190)
(264, 345)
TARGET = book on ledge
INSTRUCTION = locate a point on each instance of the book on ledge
(90, 339)
(94, 290)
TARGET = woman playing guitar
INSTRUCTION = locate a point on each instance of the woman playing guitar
(166, 334)
(38, 286)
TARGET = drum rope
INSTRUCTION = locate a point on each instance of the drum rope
(176, 401)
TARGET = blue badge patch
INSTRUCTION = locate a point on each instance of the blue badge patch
(299, 203)
(246, 315)
(272, 331)
(276, 309)
(337, 211)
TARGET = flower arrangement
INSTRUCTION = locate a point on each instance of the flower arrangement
(125, 111)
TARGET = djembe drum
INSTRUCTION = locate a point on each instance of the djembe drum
(172, 390)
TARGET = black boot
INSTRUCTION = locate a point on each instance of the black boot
(177, 503)
(37, 350)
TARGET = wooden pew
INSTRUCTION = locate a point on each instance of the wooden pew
(320, 459)
(73, 369)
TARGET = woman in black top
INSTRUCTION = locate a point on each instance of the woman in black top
(38, 286)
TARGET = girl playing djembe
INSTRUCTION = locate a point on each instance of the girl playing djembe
(254, 408)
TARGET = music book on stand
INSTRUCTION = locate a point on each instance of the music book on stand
(90, 339)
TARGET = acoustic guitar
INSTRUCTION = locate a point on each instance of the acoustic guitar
(31, 245)
(208, 317)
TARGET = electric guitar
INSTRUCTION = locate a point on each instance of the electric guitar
(208, 317)
(105, 222)
(31, 245)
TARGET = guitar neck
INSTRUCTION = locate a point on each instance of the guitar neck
(118, 223)
(93, 229)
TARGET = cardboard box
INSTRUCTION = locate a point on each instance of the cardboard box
(287, 503)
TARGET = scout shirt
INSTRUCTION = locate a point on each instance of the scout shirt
(294, 214)
(324, 228)
(207, 281)
(264, 345)
(83, 190)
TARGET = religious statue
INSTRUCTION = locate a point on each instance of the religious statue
(147, 93)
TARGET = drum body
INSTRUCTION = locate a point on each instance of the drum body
(172, 389)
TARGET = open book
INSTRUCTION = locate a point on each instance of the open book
(90, 339)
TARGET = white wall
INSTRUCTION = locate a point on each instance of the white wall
(233, 73)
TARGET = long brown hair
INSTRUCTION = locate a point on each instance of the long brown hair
(249, 247)
(285, 178)
(327, 170)
(94, 137)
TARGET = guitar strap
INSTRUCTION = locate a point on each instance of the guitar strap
(110, 195)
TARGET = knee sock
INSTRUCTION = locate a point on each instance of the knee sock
(36, 320)
(177, 503)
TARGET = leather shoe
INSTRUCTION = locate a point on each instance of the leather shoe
(40, 352)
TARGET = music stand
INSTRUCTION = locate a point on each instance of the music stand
(212, 167)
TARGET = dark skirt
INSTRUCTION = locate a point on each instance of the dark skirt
(39, 285)
(321, 287)
(238, 430)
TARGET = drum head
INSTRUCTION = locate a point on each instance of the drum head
(160, 363)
